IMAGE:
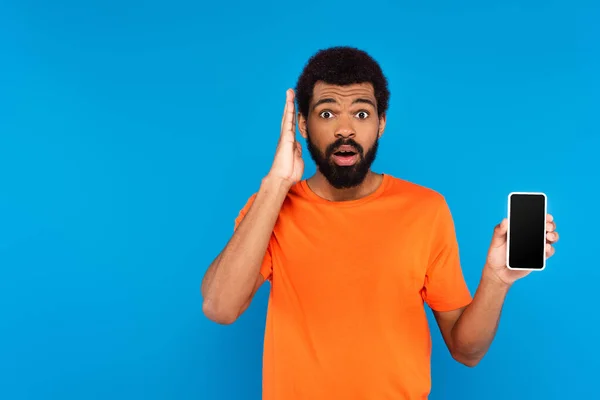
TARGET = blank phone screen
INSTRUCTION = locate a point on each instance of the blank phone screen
(527, 233)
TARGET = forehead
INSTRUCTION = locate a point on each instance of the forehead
(342, 93)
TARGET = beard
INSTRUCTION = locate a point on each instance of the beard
(338, 176)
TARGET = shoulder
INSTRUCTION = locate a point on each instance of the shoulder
(421, 194)
(430, 205)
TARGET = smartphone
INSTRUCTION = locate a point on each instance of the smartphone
(526, 236)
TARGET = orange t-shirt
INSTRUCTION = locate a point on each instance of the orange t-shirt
(349, 280)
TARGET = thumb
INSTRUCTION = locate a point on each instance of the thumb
(499, 236)
(298, 148)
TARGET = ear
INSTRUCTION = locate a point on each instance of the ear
(382, 120)
(302, 125)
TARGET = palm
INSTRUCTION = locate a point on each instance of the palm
(288, 164)
(298, 168)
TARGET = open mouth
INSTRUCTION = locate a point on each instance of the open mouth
(345, 156)
(344, 153)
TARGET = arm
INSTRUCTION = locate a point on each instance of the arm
(233, 277)
(469, 331)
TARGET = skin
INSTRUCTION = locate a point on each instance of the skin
(233, 277)
(469, 331)
(332, 114)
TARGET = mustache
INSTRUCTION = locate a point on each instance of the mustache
(344, 142)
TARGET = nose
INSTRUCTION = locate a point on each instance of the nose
(345, 129)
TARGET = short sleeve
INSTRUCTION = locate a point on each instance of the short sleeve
(266, 267)
(445, 287)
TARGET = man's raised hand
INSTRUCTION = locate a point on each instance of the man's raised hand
(288, 164)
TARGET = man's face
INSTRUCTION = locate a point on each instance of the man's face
(342, 132)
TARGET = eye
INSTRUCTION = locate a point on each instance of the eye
(326, 114)
(362, 114)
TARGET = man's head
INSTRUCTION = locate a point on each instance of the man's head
(342, 98)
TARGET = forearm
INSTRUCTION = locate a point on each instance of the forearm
(474, 331)
(230, 279)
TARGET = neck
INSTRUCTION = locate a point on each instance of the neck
(321, 187)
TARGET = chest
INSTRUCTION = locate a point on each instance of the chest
(351, 252)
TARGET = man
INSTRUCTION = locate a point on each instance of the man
(352, 255)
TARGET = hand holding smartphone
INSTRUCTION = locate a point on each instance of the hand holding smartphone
(526, 235)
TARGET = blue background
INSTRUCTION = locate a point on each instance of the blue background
(131, 133)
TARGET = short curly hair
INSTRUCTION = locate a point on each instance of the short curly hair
(341, 65)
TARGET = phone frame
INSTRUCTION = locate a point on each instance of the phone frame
(508, 230)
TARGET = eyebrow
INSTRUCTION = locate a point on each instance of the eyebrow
(331, 100)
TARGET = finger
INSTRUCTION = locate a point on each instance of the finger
(550, 250)
(288, 125)
(292, 110)
(550, 226)
(287, 95)
(501, 228)
(552, 237)
(297, 152)
(499, 236)
(549, 218)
